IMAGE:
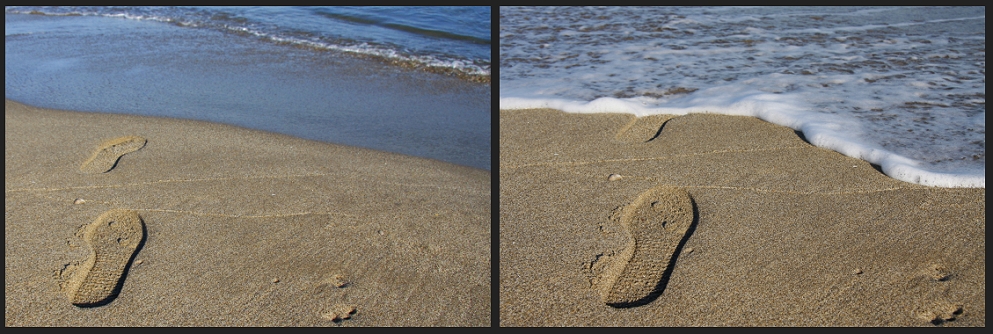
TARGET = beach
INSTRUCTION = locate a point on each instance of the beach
(298, 71)
(900, 87)
(233, 227)
(782, 233)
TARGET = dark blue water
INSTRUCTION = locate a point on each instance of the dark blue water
(412, 82)
(449, 39)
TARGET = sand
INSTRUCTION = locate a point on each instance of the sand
(238, 228)
(783, 233)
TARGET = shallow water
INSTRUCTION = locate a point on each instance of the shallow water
(903, 88)
(172, 68)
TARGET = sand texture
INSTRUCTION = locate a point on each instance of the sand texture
(783, 233)
(237, 228)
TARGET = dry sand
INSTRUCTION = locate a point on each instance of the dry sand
(238, 228)
(783, 234)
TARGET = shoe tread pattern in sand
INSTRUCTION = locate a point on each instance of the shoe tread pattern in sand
(658, 222)
(107, 154)
(114, 238)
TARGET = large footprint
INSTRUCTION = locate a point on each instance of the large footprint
(107, 154)
(658, 222)
(114, 238)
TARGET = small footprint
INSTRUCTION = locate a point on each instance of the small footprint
(659, 222)
(114, 238)
(109, 152)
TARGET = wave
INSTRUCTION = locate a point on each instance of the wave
(475, 70)
(822, 130)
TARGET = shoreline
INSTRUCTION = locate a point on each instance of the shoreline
(784, 233)
(821, 133)
(245, 128)
(165, 70)
(242, 227)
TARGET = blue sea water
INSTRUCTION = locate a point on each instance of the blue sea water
(410, 80)
(900, 87)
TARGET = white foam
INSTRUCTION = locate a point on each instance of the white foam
(769, 107)
(850, 80)
(196, 19)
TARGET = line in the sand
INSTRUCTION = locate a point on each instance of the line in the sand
(207, 214)
(763, 190)
(860, 191)
(219, 179)
(581, 163)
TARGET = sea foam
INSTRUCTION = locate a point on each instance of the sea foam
(902, 88)
(827, 131)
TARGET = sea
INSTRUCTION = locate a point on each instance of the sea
(409, 80)
(903, 88)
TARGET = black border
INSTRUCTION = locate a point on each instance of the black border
(494, 166)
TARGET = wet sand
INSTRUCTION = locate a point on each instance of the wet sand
(783, 233)
(237, 228)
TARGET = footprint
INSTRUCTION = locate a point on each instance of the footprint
(643, 129)
(107, 154)
(659, 221)
(114, 239)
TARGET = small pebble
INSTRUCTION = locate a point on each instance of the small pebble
(613, 177)
(275, 280)
(79, 201)
(858, 271)
(688, 250)
(138, 262)
(340, 312)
